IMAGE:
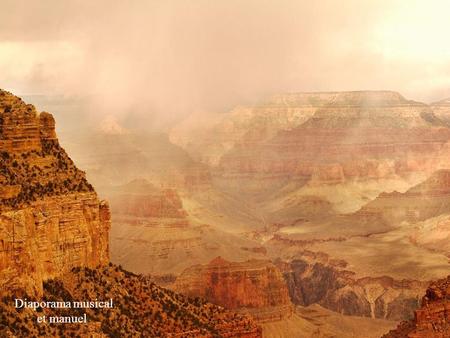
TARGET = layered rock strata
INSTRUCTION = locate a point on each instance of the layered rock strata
(428, 199)
(333, 287)
(254, 286)
(50, 217)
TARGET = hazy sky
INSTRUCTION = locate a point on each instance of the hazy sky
(173, 57)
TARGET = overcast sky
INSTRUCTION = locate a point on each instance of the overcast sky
(172, 57)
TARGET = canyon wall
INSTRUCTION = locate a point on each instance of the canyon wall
(355, 135)
(331, 286)
(50, 217)
(254, 286)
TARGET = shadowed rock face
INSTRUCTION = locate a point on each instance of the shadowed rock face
(432, 319)
(254, 286)
(50, 216)
(338, 290)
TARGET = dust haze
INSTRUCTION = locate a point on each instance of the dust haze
(162, 60)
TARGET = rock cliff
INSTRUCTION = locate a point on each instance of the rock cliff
(54, 245)
(339, 290)
(432, 319)
(254, 286)
(50, 217)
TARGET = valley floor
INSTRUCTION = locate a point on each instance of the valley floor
(316, 322)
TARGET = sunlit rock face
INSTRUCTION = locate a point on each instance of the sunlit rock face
(50, 216)
(253, 286)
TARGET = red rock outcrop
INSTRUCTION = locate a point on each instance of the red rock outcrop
(50, 217)
(432, 319)
(254, 286)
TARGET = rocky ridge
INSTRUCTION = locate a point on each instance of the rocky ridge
(54, 246)
(51, 217)
(140, 309)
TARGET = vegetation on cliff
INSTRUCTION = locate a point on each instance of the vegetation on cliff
(141, 309)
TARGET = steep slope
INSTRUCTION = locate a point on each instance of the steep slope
(140, 308)
(441, 110)
(428, 199)
(219, 134)
(54, 247)
(388, 211)
(355, 136)
(432, 320)
(50, 217)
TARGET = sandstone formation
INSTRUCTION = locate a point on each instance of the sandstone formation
(362, 135)
(441, 110)
(254, 286)
(50, 216)
(432, 320)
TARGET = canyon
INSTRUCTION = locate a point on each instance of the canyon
(341, 183)
(54, 244)
(343, 196)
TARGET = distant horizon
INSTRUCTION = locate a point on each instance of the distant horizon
(436, 100)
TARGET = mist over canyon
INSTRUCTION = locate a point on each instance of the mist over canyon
(335, 202)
